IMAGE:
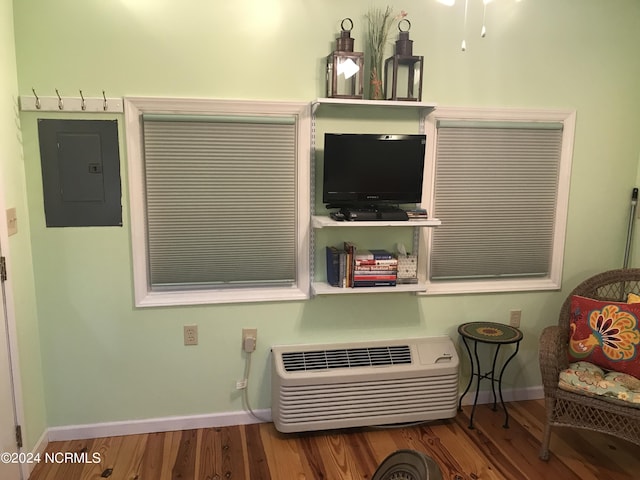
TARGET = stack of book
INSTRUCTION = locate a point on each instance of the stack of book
(374, 268)
(351, 267)
(417, 214)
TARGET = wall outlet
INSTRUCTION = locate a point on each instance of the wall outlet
(249, 339)
(514, 318)
(191, 334)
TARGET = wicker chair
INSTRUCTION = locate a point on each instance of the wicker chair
(568, 409)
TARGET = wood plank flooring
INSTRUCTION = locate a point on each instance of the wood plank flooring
(259, 452)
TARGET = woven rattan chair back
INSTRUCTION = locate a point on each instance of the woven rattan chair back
(568, 409)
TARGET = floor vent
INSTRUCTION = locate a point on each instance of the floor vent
(317, 387)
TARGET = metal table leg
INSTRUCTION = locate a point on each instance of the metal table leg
(464, 340)
(506, 413)
(493, 380)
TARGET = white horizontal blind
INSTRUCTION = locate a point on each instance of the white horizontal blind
(220, 200)
(496, 186)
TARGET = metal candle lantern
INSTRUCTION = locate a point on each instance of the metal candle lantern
(403, 71)
(344, 66)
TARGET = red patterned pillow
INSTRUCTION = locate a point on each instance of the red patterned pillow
(606, 334)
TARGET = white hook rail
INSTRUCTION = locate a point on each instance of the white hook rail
(59, 103)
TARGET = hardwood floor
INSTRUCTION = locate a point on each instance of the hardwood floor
(259, 452)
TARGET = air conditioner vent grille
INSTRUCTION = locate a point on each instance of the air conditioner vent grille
(346, 358)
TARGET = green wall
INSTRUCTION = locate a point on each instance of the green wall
(22, 294)
(105, 360)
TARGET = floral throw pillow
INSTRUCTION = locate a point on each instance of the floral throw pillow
(606, 334)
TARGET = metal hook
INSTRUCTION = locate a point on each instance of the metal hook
(83, 104)
(60, 102)
(38, 104)
(104, 102)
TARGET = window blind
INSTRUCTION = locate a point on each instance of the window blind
(495, 190)
(220, 200)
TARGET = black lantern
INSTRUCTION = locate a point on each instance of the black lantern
(403, 71)
(344, 66)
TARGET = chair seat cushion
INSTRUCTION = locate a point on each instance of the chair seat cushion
(606, 334)
(589, 379)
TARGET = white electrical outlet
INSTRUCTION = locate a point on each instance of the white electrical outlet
(514, 318)
(241, 384)
(249, 339)
(191, 334)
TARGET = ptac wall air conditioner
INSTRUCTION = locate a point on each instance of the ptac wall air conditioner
(318, 387)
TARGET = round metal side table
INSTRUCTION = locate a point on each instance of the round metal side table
(493, 334)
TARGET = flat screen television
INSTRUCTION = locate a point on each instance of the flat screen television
(372, 169)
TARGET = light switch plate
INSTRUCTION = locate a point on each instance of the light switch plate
(12, 221)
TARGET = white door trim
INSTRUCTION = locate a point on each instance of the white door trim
(11, 324)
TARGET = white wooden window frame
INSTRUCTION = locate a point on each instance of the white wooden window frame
(554, 280)
(134, 108)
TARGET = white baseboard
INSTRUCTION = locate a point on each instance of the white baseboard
(167, 424)
(152, 425)
(512, 395)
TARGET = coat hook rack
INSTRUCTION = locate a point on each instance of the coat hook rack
(82, 103)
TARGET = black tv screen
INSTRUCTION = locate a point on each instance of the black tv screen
(372, 169)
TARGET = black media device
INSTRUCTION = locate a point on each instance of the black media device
(368, 175)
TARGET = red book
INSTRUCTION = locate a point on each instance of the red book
(374, 278)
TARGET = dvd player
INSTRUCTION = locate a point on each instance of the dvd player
(373, 214)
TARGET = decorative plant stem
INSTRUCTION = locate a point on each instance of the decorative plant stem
(379, 23)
